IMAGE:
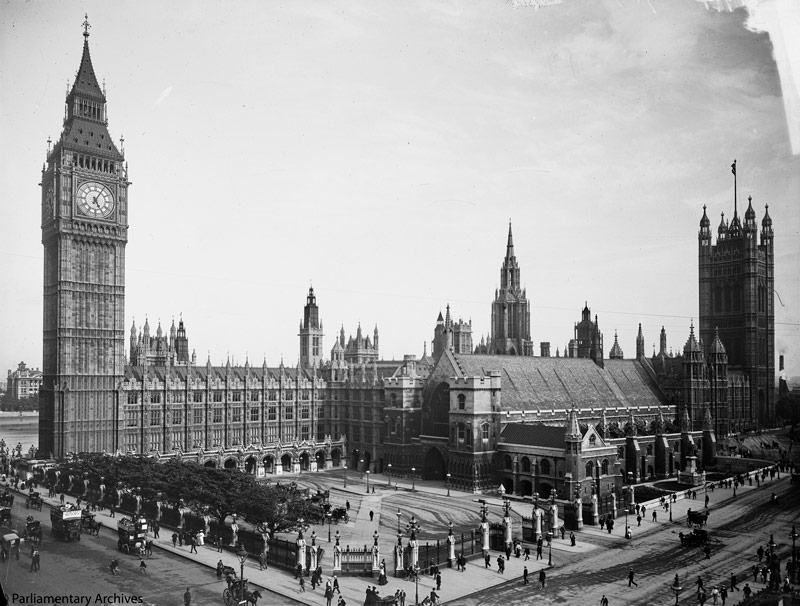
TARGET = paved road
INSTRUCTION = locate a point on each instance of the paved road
(737, 527)
(81, 569)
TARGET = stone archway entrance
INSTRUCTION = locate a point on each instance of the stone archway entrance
(434, 466)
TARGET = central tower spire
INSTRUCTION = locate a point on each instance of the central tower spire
(511, 312)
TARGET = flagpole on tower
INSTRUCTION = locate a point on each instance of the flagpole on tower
(733, 170)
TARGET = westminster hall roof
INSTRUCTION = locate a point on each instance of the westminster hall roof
(529, 383)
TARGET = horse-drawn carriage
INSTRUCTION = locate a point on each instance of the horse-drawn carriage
(33, 530)
(696, 518)
(6, 499)
(696, 538)
(238, 592)
(89, 524)
(34, 501)
(340, 513)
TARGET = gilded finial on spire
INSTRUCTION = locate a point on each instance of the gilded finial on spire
(86, 26)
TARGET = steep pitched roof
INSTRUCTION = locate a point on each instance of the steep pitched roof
(533, 435)
(558, 383)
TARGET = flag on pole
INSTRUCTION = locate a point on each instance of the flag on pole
(733, 168)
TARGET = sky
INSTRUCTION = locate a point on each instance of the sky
(378, 150)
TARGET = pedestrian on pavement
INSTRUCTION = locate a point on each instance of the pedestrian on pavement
(542, 578)
(655, 516)
(142, 567)
(187, 598)
(35, 561)
(371, 515)
(733, 583)
(302, 584)
(630, 578)
(525, 576)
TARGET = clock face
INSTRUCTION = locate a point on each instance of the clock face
(95, 200)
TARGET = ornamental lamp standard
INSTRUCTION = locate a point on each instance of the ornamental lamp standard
(367, 481)
(676, 588)
(448, 484)
(242, 555)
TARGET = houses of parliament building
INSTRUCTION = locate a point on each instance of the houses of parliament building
(477, 414)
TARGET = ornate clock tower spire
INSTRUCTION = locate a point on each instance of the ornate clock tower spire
(84, 233)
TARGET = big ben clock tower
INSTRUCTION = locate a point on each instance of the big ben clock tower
(84, 232)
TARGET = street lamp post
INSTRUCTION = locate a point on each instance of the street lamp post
(367, 481)
(448, 484)
(389, 468)
(413, 471)
(242, 555)
(676, 588)
(398, 521)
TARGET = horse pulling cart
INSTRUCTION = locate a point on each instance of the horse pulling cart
(237, 592)
(696, 518)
